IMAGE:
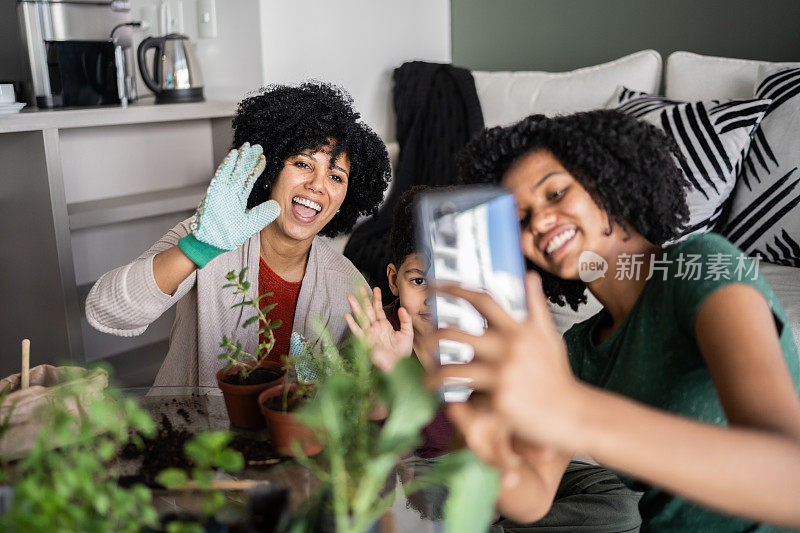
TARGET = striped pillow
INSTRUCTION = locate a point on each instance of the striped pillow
(712, 135)
(765, 218)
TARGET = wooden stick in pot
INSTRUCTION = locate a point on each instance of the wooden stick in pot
(25, 376)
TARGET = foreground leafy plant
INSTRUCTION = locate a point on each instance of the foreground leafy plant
(208, 451)
(234, 355)
(359, 457)
(66, 482)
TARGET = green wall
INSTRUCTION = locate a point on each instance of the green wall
(556, 35)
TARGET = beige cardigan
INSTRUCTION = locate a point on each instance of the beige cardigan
(126, 300)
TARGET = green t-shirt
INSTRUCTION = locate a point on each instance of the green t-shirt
(653, 357)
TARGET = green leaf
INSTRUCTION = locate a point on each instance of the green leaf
(230, 276)
(249, 321)
(211, 440)
(204, 478)
(212, 502)
(246, 286)
(230, 460)
(274, 324)
(473, 488)
(172, 478)
(105, 450)
(411, 406)
(268, 308)
(102, 503)
(376, 471)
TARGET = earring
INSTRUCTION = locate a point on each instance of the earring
(337, 211)
(266, 185)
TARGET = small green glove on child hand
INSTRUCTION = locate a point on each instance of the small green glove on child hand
(222, 222)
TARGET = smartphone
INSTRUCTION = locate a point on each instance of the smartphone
(470, 235)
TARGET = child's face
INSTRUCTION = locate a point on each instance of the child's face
(408, 283)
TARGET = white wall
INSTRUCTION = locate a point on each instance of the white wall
(230, 63)
(353, 43)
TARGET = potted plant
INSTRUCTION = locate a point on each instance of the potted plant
(245, 374)
(288, 435)
(278, 404)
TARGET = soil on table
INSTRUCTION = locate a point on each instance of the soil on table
(165, 449)
(256, 377)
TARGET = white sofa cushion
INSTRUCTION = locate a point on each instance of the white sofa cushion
(765, 213)
(507, 97)
(713, 136)
(691, 76)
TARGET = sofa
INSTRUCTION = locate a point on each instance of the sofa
(506, 97)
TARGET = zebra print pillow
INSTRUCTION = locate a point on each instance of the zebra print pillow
(764, 217)
(712, 135)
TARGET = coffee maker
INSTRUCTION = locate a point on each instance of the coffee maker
(79, 51)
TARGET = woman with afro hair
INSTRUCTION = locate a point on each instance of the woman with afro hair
(306, 166)
(686, 381)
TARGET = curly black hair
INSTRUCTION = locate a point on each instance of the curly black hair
(286, 120)
(402, 238)
(628, 167)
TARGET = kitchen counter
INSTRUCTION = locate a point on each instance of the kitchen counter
(140, 112)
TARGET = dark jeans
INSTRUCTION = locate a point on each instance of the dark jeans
(589, 498)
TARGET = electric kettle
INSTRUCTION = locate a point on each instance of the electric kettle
(176, 74)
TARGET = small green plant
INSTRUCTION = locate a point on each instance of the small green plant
(67, 481)
(208, 451)
(234, 355)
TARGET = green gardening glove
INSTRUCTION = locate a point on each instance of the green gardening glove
(222, 222)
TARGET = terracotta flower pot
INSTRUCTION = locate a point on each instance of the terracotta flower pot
(284, 428)
(241, 401)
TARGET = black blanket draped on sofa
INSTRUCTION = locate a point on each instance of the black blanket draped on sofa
(437, 112)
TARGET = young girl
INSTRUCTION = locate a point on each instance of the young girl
(687, 380)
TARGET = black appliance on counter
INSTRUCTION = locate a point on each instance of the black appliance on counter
(72, 57)
(82, 73)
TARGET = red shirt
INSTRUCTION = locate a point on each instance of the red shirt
(284, 294)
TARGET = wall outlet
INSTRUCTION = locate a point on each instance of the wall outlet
(149, 19)
(206, 19)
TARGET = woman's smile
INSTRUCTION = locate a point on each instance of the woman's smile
(555, 242)
(305, 209)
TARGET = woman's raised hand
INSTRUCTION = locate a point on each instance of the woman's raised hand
(522, 366)
(222, 222)
(369, 322)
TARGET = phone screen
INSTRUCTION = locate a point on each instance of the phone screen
(470, 236)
